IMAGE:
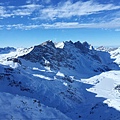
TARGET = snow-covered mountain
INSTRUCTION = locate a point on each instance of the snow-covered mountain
(106, 49)
(115, 54)
(78, 57)
(61, 81)
(6, 50)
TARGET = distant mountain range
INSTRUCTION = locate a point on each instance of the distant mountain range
(61, 81)
(6, 50)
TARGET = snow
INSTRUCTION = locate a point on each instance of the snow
(104, 86)
(113, 103)
(59, 45)
(42, 76)
(13, 54)
(64, 83)
(34, 68)
(60, 74)
(75, 87)
(116, 55)
(17, 107)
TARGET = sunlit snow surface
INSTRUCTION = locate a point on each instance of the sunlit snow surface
(13, 54)
(104, 86)
(59, 45)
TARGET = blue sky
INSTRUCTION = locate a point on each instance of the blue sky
(25, 23)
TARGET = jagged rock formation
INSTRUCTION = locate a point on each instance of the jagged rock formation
(73, 56)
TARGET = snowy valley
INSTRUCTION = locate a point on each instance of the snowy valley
(60, 81)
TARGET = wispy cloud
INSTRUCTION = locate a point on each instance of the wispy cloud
(21, 26)
(118, 30)
(65, 25)
(24, 10)
(69, 9)
(62, 10)
(39, 14)
(104, 25)
(2, 11)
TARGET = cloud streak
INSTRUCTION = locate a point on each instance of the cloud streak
(62, 10)
(66, 25)
(68, 10)
(25, 10)
(61, 25)
(50, 17)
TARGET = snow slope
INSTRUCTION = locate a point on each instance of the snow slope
(15, 107)
(115, 54)
(106, 85)
(64, 81)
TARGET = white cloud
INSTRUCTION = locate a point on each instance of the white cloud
(31, 6)
(104, 25)
(118, 30)
(60, 25)
(1, 26)
(28, 27)
(24, 10)
(62, 11)
(28, 1)
(21, 26)
(2, 11)
(68, 9)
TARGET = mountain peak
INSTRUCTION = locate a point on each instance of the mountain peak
(49, 43)
(84, 47)
(7, 50)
